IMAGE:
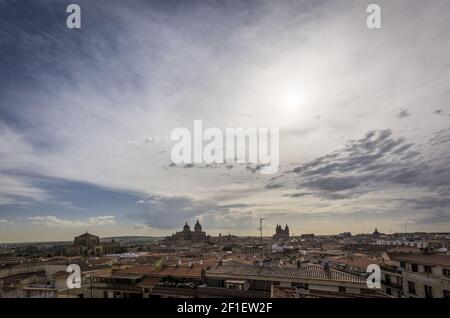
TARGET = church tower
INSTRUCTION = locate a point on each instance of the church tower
(197, 227)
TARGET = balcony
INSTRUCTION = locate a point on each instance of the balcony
(392, 284)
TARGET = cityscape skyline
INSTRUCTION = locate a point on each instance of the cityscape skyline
(267, 233)
(233, 156)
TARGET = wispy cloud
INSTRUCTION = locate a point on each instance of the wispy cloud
(95, 107)
(170, 212)
(52, 221)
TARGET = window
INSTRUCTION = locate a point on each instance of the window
(411, 287)
(387, 278)
(342, 289)
(446, 271)
(388, 291)
(428, 291)
(427, 269)
(414, 267)
(446, 293)
(402, 264)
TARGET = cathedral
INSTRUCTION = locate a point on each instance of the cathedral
(280, 233)
(187, 236)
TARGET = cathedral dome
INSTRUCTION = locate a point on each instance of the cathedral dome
(186, 228)
(197, 227)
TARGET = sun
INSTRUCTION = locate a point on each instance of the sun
(292, 100)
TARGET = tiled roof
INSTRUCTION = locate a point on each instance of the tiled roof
(357, 261)
(86, 235)
(435, 259)
(14, 279)
(61, 274)
(150, 282)
(312, 271)
(101, 273)
(174, 271)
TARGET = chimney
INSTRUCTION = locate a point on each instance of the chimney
(326, 268)
(203, 276)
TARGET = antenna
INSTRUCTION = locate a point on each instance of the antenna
(260, 229)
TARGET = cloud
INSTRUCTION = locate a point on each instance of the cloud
(274, 186)
(403, 114)
(440, 138)
(440, 217)
(93, 107)
(375, 158)
(18, 189)
(429, 202)
(297, 195)
(171, 212)
(228, 220)
(140, 226)
(52, 221)
(102, 220)
(376, 162)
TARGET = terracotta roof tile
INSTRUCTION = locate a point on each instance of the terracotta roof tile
(312, 271)
(435, 259)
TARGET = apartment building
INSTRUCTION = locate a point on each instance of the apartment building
(425, 276)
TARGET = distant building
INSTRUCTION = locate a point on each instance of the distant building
(345, 235)
(187, 236)
(280, 233)
(308, 237)
(89, 245)
(87, 240)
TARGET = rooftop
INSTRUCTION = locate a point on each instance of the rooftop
(434, 259)
(357, 261)
(174, 271)
(312, 271)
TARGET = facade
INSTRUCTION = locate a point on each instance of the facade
(392, 282)
(87, 240)
(89, 245)
(187, 236)
(425, 276)
(280, 233)
(413, 244)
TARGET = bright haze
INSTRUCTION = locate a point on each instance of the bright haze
(86, 116)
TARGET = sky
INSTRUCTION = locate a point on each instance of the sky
(86, 116)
